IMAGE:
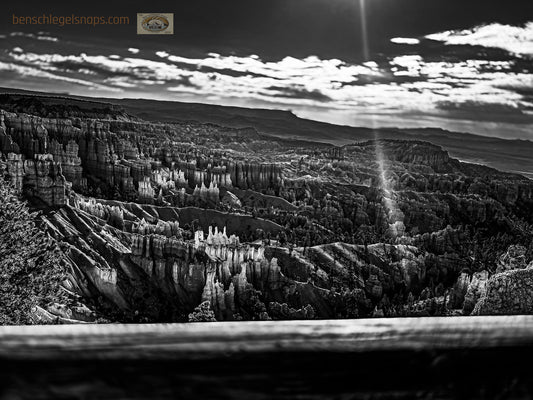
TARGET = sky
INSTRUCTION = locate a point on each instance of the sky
(454, 64)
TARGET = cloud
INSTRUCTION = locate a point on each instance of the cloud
(480, 107)
(135, 68)
(516, 40)
(401, 40)
(298, 93)
(39, 36)
(290, 68)
(402, 85)
(37, 73)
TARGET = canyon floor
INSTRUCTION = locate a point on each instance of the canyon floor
(171, 212)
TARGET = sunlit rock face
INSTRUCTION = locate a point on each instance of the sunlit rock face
(43, 179)
(508, 292)
(156, 218)
(477, 289)
(177, 274)
(514, 258)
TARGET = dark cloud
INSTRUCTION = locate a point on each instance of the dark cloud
(478, 111)
(472, 105)
(97, 69)
(229, 72)
(385, 78)
(286, 53)
(525, 91)
(275, 28)
(184, 81)
(296, 92)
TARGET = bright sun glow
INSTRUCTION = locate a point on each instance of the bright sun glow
(394, 214)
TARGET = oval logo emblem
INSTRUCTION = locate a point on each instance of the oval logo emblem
(155, 23)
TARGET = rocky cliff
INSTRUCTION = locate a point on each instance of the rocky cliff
(160, 217)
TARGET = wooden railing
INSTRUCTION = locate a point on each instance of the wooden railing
(456, 357)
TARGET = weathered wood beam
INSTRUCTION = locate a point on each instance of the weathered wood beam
(456, 357)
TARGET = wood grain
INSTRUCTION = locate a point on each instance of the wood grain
(451, 357)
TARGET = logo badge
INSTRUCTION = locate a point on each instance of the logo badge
(155, 23)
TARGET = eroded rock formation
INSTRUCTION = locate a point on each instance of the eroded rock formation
(158, 218)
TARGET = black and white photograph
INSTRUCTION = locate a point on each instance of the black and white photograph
(252, 199)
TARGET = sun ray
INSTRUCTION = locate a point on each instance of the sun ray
(394, 214)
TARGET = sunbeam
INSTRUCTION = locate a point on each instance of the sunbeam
(364, 31)
(394, 215)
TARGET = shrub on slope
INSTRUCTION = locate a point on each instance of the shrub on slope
(31, 263)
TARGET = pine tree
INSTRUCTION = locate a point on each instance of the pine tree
(202, 313)
(32, 265)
